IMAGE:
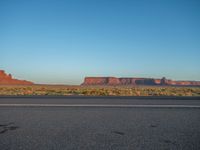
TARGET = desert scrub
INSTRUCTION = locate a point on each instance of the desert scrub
(99, 91)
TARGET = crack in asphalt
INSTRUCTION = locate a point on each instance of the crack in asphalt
(7, 127)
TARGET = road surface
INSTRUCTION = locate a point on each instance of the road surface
(99, 123)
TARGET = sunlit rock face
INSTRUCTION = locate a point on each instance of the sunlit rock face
(102, 81)
(6, 79)
(136, 81)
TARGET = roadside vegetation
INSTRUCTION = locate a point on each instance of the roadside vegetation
(99, 90)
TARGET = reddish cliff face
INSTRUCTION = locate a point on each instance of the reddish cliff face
(96, 80)
(8, 80)
(136, 81)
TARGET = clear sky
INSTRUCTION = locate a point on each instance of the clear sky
(62, 41)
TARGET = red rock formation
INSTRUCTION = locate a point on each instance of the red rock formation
(8, 80)
(96, 80)
(113, 81)
(136, 81)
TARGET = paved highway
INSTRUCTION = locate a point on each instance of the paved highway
(83, 101)
(99, 123)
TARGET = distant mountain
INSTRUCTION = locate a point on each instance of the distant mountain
(7, 79)
(136, 81)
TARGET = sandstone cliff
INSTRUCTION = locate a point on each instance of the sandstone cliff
(136, 81)
(8, 80)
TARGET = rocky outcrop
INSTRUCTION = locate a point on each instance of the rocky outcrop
(6, 79)
(136, 81)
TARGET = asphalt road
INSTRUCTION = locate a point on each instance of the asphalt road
(94, 123)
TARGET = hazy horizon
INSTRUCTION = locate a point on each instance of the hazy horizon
(61, 42)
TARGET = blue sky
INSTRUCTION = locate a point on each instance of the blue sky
(62, 41)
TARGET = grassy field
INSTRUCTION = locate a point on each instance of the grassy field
(99, 90)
